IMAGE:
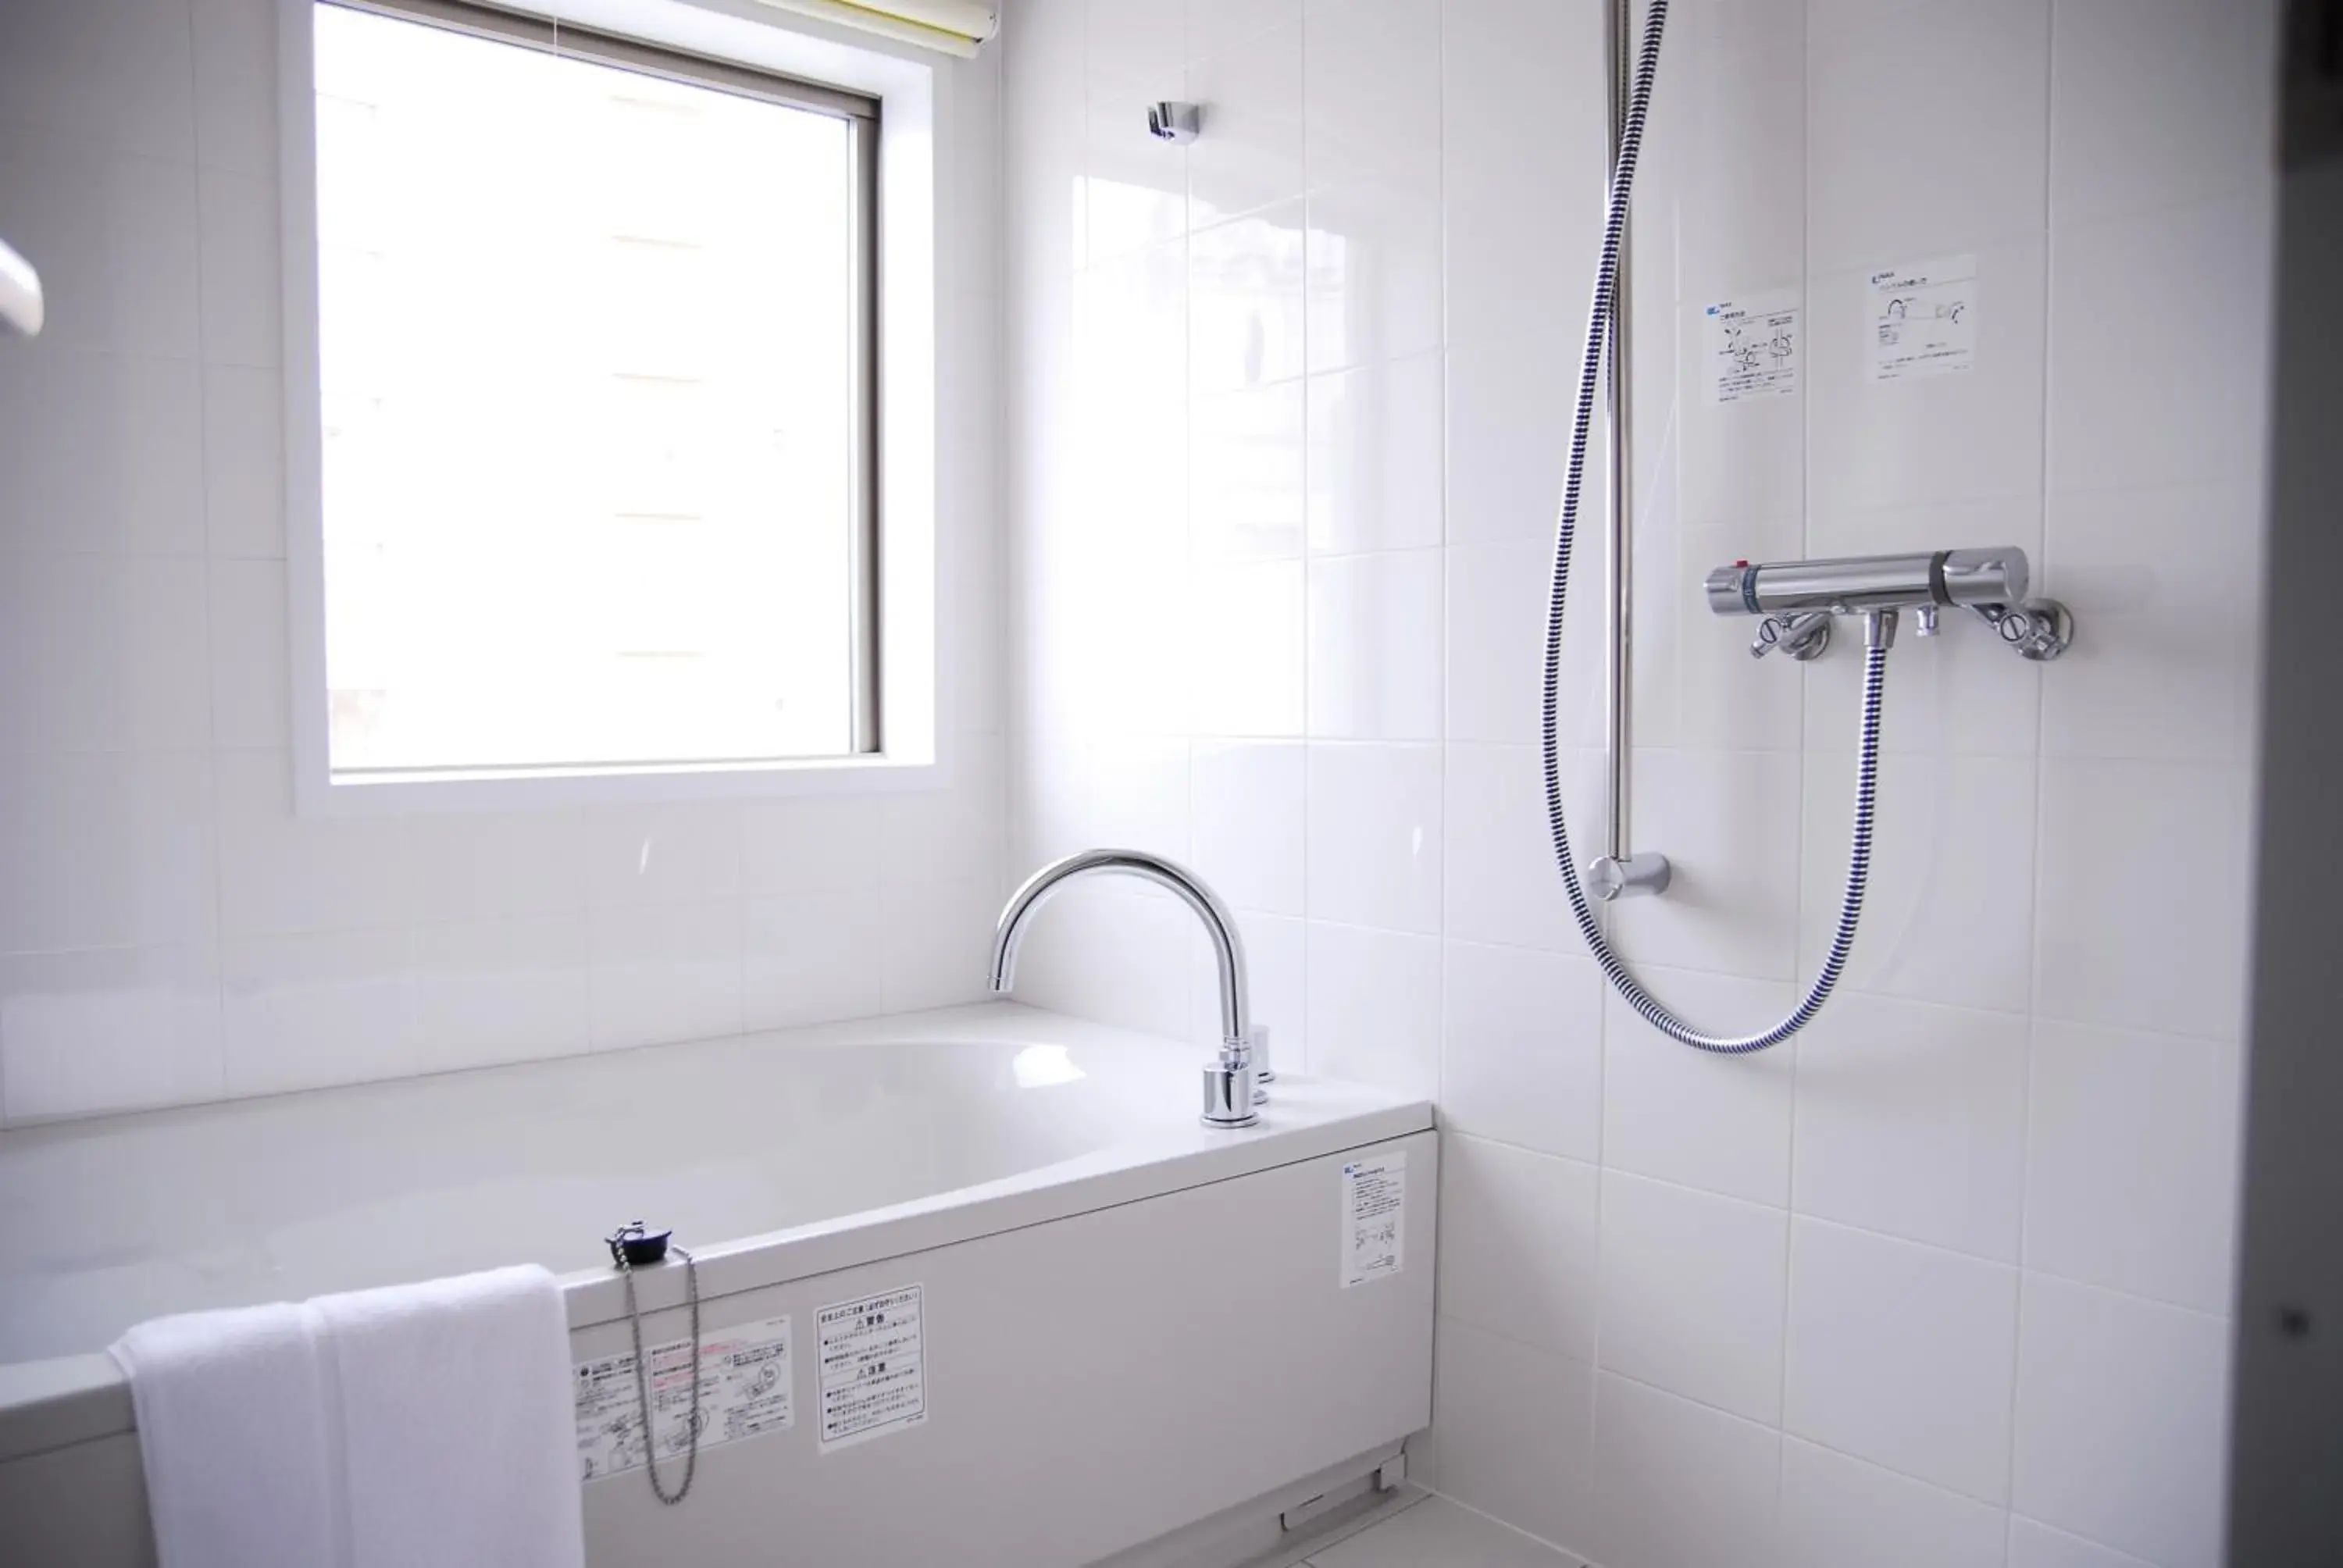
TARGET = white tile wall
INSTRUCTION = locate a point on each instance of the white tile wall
(1372, 654)
(169, 932)
(1518, 1241)
(1901, 1354)
(2122, 1406)
(1514, 1430)
(1654, 1452)
(1721, 1125)
(2033, 1544)
(1836, 1509)
(1374, 1006)
(1254, 155)
(1372, 836)
(1944, 1282)
(2129, 1161)
(1671, 1256)
(1931, 1145)
(1521, 1057)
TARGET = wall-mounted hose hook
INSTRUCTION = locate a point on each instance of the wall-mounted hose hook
(1174, 122)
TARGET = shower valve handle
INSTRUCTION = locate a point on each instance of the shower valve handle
(1803, 636)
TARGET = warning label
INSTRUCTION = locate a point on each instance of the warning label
(1751, 347)
(744, 1390)
(1923, 319)
(1374, 1202)
(874, 1375)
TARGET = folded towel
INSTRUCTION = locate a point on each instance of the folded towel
(232, 1422)
(413, 1427)
(458, 1427)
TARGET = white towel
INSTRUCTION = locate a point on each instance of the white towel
(414, 1427)
(232, 1424)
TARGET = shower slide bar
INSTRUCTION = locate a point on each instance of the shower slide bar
(1620, 872)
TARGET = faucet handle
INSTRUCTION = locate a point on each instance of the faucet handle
(1264, 1069)
(1803, 635)
(1230, 1092)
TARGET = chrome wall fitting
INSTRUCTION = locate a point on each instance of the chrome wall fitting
(1172, 121)
(1637, 876)
(2039, 630)
(1795, 595)
(1231, 1086)
(1802, 637)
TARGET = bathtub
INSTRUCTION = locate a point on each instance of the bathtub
(1135, 1338)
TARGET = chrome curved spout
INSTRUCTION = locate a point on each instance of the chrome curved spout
(1228, 947)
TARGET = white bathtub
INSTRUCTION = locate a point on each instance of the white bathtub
(1132, 1323)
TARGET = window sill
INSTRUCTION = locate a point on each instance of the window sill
(521, 790)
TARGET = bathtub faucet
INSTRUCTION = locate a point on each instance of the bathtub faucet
(1230, 1092)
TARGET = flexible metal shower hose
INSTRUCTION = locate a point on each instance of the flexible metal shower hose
(1875, 660)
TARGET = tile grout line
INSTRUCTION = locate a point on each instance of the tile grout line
(211, 687)
(1805, 771)
(1440, 165)
(1304, 740)
(2013, 1266)
(1785, 1437)
(2041, 734)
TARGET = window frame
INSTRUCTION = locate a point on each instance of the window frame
(889, 102)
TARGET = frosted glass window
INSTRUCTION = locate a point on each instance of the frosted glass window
(593, 344)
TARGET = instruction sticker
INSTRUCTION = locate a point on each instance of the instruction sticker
(1923, 320)
(1374, 1200)
(744, 1390)
(1751, 347)
(874, 1375)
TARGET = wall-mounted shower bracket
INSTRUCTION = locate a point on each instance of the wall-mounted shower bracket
(1173, 122)
(1635, 876)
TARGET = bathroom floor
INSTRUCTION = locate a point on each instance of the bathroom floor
(1438, 1533)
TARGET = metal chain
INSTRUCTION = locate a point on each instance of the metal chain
(643, 1380)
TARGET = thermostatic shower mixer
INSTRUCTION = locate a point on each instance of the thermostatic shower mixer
(1798, 599)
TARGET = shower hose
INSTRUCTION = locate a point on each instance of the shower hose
(1875, 657)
